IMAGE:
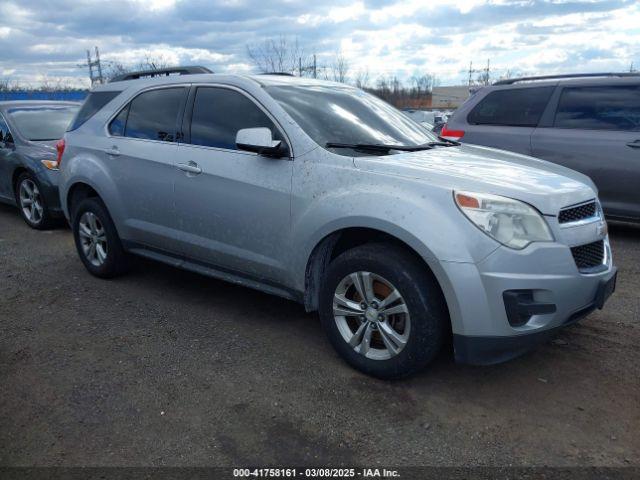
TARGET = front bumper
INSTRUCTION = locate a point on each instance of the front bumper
(482, 331)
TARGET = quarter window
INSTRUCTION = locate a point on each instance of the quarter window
(218, 114)
(600, 108)
(153, 115)
(118, 124)
(519, 107)
(92, 104)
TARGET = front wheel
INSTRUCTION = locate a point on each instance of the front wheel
(31, 203)
(383, 311)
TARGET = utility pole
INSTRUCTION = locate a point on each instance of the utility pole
(470, 71)
(95, 76)
(300, 66)
(315, 73)
(486, 78)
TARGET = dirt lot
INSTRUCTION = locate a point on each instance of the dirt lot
(165, 367)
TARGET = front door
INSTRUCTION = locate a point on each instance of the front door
(233, 206)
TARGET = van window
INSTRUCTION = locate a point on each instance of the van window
(218, 114)
(92, 104)
(600, 108)
(154, 114)
(516, 107)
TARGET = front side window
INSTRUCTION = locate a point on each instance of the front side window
(218, 114)
(350, 116)
(154, 114)
(44, 122)
(515, 107)
(600, 108)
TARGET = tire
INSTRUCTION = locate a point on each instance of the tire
(31, 203)
(423, 327)
(92, 224)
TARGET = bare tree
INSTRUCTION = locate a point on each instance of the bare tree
(340, 68)
(362, 79)
(149, 62)
(280, 55)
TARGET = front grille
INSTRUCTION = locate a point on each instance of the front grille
(588, 256)
(580, 212)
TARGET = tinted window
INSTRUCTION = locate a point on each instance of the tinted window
(519, 107)
(94, 102)
(600, 108)
(219, 113)
(117, 125)
(154, 114)
(348, 115)
(44, 122)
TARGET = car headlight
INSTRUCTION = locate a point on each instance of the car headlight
(510, 222)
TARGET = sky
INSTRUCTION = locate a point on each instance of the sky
(45, 41)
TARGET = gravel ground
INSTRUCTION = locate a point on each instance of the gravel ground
(165, 367)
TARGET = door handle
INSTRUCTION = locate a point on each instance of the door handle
(113, 151)
(190, 167)
(635, 144)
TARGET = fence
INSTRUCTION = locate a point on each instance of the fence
(73, 95)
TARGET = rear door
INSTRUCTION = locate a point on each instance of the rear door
(596, 131)
(141, 153)
(506, 118)
(234, 207)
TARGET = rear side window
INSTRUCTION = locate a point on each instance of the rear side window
(218, 114)
(154, 114)
(518, 107)
(600, 108)
(92, 104)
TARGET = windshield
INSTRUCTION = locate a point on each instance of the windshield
(331, 114)
(43, 122)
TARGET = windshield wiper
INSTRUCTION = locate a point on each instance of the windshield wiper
(445, 142)
(379, 148)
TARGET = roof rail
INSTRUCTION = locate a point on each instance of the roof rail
(286, 74)
(161, 72)
(511, 81)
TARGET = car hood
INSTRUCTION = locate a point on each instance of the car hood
(545, 185)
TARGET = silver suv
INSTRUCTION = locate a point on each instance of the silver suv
(588, 122)
(321, 193)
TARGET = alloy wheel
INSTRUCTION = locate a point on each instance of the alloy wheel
(31, 201)
(371, 315)
(93, 238)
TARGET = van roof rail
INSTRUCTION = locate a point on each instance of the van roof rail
(511, 81)
(286, 74)
(160, 72)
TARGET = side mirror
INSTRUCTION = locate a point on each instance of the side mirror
(260, 141)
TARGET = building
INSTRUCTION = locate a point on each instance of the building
(449, 97)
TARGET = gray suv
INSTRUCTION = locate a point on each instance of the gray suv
(321, 193)
(589, 123)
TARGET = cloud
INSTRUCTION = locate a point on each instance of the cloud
(387, 37)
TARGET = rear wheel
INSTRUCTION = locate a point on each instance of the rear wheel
(97, 240)
(31, 203)
(382, 310)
